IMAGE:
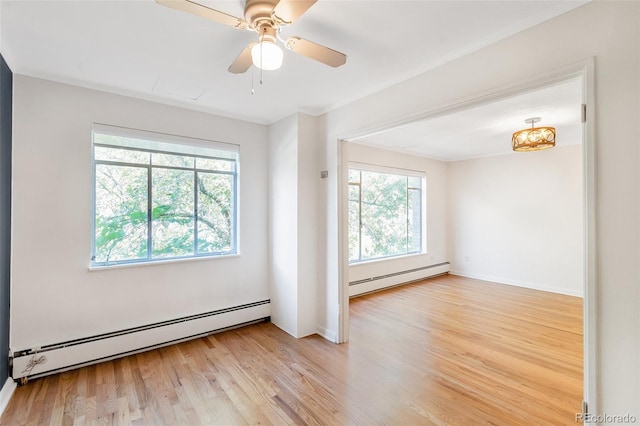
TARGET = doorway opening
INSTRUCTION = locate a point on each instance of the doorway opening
(398, 139)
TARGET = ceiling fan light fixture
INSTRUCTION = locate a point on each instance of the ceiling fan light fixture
(267, 18)
(267, 55)
(534, 138)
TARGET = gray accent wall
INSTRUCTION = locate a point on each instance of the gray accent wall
(6, 89)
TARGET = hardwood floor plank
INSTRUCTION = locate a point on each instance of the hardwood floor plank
(254, 395)
(444, 351)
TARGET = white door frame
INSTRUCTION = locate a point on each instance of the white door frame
(584, 69)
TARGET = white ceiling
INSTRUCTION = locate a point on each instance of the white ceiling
(142, 49)
(486, 130)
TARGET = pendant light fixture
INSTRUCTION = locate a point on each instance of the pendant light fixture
(535, 138)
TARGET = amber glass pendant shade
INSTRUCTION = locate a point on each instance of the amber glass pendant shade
(534, 138)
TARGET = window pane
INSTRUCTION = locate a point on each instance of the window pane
(214, 164)
(215, 213)
(415, 182)
(145, 197)
(172, 160)
(172, 213)
(354, 222)
(121, 213)
(384, 215)
(122, 155)
(354, 176)
(414, 234)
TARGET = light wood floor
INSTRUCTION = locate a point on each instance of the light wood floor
(445, 351)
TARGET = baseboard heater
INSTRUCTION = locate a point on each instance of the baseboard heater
(366, 285)
(55, 358)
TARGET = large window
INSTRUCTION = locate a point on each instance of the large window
(385, 215)
(161, 197)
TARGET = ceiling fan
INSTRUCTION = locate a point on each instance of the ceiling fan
(267, 18)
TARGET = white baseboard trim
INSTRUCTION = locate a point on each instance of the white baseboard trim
(6, 393)
(516, 283)
(330, 335)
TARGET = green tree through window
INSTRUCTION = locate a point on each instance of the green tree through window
(385, 215)
(157, 201)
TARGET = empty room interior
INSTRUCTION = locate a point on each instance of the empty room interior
(319, 212)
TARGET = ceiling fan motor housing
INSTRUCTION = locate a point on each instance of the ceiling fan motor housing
(258, 13)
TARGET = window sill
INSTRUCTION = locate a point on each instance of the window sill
(159, 262)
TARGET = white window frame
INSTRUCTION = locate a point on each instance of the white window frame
(366, 167)
(153, 142)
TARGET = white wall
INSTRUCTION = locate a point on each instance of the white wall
(283, 213)
(328, 304)
(436, 216)
(308, 181)
(518, 219)
(293, 231)
(54, 297)
(607, 31)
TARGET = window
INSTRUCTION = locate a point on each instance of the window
(161, 197)
(385, 215)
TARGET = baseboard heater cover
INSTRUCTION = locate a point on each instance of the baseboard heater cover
(395, 274)
(90, 350)
(381, 282)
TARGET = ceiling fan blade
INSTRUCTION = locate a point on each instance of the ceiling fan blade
(289, 10)
(316, 51)
(243, 62)
(205, 12)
